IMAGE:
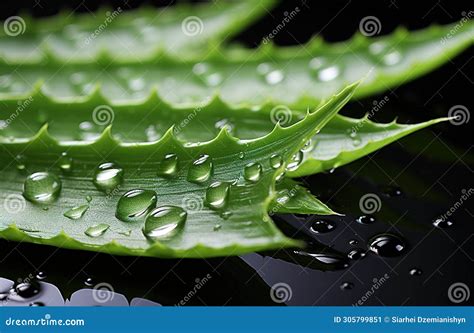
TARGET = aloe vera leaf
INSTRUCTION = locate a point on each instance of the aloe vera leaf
(345, 140)
(134, 35)
(244, 224)
(148, 121)
(298, 76)
(295, 198)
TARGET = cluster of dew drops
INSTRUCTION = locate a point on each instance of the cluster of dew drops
(160, 222)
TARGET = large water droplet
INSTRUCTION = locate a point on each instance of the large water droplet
(442, 223)
(275, 161)
(386, 245)
(135, 204)
(76, 212)
(168, 166)
(42, 187)
(322, 226)
(164, 222)
(65, 162)
(201, 169)
(217, 195)
(27, 289)
(295, 161)
(253, 172)
(97, 230)
(108, 176)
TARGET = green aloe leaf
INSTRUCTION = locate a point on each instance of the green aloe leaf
(221, 220)
(345, 140)
(294, 198)
(341, 141)
(294, 76)
(134, 35)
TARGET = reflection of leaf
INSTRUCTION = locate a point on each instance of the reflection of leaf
(243, 224)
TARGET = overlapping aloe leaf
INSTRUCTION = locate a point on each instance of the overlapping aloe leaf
(296, 76)
(341, 141)
(239, 224)
(133, 35)
(345, 140)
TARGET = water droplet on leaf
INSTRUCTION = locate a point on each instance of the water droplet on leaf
(108, 176)
(42, 187)
(217, 195)
(164, 222)
(76, 212)
(135, 204)
(201, 169)
(97, 230)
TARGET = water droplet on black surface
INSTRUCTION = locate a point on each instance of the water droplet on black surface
(41, 275)
(356, 254)
(37, 304)
(353, 242)
(442, 223)
(415, 272)
(322, 226)
(27, 289)
(330, 260)
(346, 285)
(391, 191)
(89, 282)
(365, 219)
(387, 245)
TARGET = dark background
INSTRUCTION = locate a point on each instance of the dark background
(430, 168)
